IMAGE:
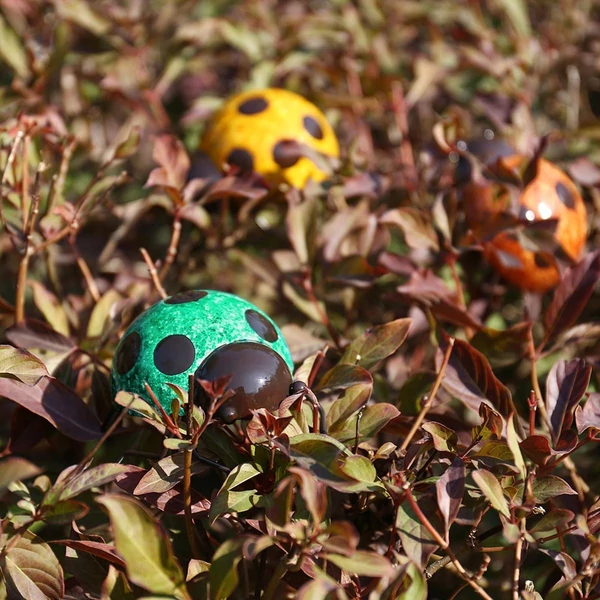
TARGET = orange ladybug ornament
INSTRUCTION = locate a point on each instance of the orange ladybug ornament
(550, 194)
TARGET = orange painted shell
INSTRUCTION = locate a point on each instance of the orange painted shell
(549, 195)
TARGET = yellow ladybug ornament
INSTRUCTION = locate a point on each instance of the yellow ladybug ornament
(273, 132)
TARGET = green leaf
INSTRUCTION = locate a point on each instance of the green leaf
(376, 343)
(513, 444)
(144, 546)
(80, 13)
(101, 314)
(94, 477)
(373, 419)
(233, 502)
(21, 365)
(549, 486)
(347, 405)
(444, 439)
(137, 404)
(492, 490)
(166, 474)
(51, 307)
(363, 563)
(228, 501)
(15, 468)
(12, 51)
(196, 567)
(223, 574)
(417, 587)
(32, 570)
(359, 468)
(64, 512)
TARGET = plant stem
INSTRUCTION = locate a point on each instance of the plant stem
(429, 399)
(277, 576)
(187, 501)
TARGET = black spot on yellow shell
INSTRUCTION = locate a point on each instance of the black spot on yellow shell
(185, 297)
(242, 159)
(312, 126)
(174, 354)
(261, 325)
(128, 353)
(286, 154)
(253, 106)
(565, 195)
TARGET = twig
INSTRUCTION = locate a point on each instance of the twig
(187, 501)
(518, 556)
(439, 539)
(310, 292)
(173, 246)
(153, 273)
(85, 270)
(534, 379)
(9, 162)
(27, 252)
(429, 399)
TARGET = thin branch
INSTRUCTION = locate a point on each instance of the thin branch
(173, 247)
(440, 540)
(153, 273)
(429, 399)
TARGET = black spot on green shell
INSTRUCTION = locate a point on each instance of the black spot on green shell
(261, 325)
(242, 159)
(253, 105)
(128, 353)
(564, 193)
(185, 297)
(312, 126)
(541, 260)
(174, 354)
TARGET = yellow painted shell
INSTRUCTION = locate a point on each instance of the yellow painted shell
(253, 131)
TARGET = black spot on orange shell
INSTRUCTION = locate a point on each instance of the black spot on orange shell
(242, 159)
(253, 105)
(541, 260)
(185, 297)
(174, 354)
(564, 193)
(285, 154)
(128, 353)
(312, 126)
(259, 378)
(261, 325)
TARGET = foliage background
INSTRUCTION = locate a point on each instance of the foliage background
(102, 105)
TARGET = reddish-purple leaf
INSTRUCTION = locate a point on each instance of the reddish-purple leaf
(449, 490)
(313, 492)
(56, 403)
(565, 387)
(588, 416)
(174, 163)
(539, 450)
(417, 541)
(99, 549)
(572, 294)
(343, 376)
(33, 333)
(470, 378)
(343, 538)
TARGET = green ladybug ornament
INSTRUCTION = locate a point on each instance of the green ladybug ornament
(210, 335)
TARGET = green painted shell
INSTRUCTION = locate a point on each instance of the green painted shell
(208, 334)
